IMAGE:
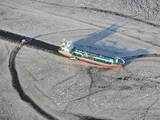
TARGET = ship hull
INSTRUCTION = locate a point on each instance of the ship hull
(89, 62)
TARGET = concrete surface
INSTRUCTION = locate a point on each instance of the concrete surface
(66, 89)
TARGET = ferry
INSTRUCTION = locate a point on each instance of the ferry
(75, 53)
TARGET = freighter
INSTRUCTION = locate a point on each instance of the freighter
(75, 53)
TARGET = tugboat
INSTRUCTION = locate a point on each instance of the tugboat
(75, 53)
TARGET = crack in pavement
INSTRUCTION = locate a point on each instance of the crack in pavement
(85, 117)
(102, 11)
(121, 15)
(31, 42)
(22, 94)
(72, 30)
(98, 26)
(24, 97)
(148, 108)
(17, 86)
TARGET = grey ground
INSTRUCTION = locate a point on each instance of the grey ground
(66, 89)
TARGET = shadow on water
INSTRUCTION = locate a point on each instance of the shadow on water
(91, 44)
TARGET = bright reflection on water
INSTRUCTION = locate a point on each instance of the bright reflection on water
(90, 44)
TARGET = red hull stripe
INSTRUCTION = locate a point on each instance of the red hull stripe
(97, 64)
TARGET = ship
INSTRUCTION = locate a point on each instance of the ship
(93, 59)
